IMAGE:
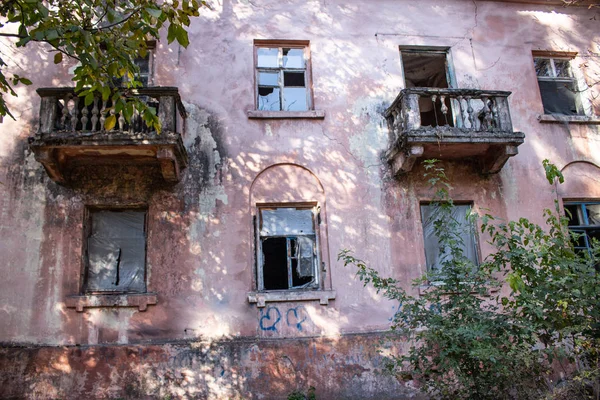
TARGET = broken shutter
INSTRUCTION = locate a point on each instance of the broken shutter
(117, 252)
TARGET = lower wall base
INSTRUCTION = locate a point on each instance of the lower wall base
(348, 367)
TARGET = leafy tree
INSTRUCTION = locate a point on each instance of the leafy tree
(103, 36)
(468, 342)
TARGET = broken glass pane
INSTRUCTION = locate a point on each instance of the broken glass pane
(267, 58)
(293, 58)
(286, 221)
(306, 256)
(293, 79)
(559, 97)
(574, 214)
(542, 66)
(593, 212)
(268, 78)
(562, 68)
(294, 99)
(268, 99)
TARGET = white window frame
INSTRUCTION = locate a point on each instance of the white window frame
(315, 210)
(280, 69)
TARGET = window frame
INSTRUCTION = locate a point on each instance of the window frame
(280, 45)
(84, 280)
(582, 229)
(150, 53)
(572, 78)
(259, 258)
(476, 244)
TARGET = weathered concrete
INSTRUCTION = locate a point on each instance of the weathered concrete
(200, 233)
(223, 369)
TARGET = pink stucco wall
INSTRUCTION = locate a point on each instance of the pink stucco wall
(200, 240)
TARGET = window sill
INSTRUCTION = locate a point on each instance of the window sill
(572, 119)
(310, 114)
(261, 298)
(141, 300)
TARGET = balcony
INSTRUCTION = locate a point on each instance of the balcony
(451, 124)
(72, 134)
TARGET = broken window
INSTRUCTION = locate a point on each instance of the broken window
(428, 69)
(282, 77)
(116, 251)
(435, 254)
(584, 219)
(287, 248)
(557, 85)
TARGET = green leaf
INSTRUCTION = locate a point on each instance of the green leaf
(58, 58)
(182, 37)
(110, 122)
(89, 98)
(156, 13)
(171, 33)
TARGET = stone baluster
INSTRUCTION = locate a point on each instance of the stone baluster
(95, 115)
(471, 116)
(487, 113)
(121, 121)
(84, 118)
(496, 122)
(444, 108)
(65, 111)
(460, 120)
(103, 115)
(74, 118)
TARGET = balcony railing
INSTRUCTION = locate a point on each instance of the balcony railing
(69, 131)
(451, 124)
(62, 110)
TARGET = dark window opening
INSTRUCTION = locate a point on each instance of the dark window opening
(275, 271)
(288, 251)
(428, 69)
(293, 79)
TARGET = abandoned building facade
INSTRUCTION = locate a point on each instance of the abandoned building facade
(202, 262)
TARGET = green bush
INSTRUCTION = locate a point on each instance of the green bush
(470, 344)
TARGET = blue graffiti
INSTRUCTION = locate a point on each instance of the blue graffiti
(268, 320)
(297, 321)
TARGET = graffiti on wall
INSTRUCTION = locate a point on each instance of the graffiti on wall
(285, 320)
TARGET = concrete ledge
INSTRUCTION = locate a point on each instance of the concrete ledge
(310, 114)
(261, 298)
(141, 300)
(570, 119)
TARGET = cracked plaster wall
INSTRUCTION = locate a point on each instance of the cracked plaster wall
(200, 238)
